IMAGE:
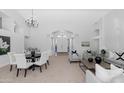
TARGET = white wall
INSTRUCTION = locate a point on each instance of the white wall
(17, 37)
(114, 30)
(4, 60)
(16, 45)
(77, 21)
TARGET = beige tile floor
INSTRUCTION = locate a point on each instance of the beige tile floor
(59, 71)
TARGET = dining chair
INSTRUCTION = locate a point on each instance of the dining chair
(12, 60)
(28, 54)
(48, 53)
(42, 61)
(22, 63)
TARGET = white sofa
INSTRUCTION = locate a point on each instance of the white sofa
(102, 75)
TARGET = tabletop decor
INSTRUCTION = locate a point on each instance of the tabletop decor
(103, 54)
(98, 59)
(90, 59)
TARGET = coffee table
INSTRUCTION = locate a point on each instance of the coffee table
(86, 65)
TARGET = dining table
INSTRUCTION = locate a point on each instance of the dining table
(33, 57)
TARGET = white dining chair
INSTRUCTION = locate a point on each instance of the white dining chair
(48, 53)
(12, 60)
(28, 54)
(22, 63)
(42, 61)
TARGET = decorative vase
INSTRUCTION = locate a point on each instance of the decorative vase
(88, 51)
(90, 59)
(103, 51)
(98, 59)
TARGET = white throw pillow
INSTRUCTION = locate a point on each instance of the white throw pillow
(113, 55)
(122, 56)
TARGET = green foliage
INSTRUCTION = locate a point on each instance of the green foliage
(3, 51)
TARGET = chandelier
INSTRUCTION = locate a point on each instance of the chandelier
(32, 22)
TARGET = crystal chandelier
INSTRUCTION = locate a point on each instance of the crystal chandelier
(32, 22)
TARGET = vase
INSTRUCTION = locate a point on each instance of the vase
(90, 59)
(98, 59)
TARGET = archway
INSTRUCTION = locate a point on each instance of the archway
(62, 41)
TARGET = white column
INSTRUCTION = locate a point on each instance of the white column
(71, 44)
(52, 44)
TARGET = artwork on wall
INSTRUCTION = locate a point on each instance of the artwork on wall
(85, 44)
(4, 45)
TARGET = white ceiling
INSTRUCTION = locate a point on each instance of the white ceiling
(85, 15)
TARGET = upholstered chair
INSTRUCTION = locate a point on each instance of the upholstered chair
(42, 61)
(12, 60)
(22, 63)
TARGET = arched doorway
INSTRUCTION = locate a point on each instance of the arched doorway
(62, 41)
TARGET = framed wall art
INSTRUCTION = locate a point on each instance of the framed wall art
(85, 43)
(4, 44)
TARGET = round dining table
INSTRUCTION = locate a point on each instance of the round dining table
(33, 59)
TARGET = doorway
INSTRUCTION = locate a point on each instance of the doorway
(62, 45)
(62, 42)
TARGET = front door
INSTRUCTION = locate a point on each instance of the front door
(62, 44)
